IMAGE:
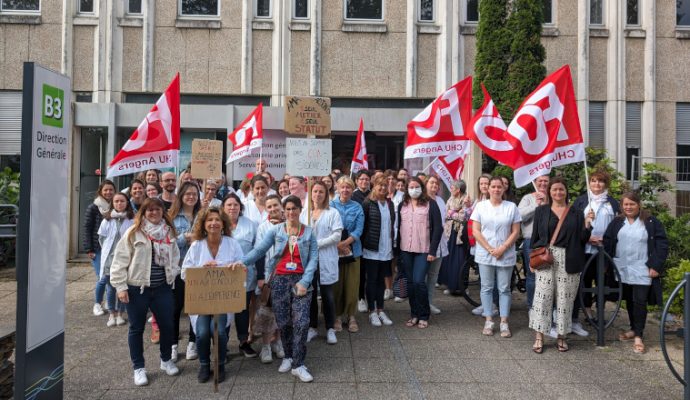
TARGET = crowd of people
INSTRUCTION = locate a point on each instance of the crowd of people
(347, 244)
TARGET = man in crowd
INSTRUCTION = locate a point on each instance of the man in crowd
(168, 183)
(362, 182)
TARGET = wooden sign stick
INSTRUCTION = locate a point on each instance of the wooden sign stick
(217, 351)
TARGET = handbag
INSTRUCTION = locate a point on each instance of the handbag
(265, 297)
(350, 258)
(400, 285)
(541, 257)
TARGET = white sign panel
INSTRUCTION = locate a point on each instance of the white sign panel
(273, 152)
(309, 157)
(49, 229)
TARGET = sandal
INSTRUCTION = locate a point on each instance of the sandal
(411, 322)
(352, 326)
(638, 348)
(538, 346)
(423, 324)
(562, 345)
(625, 336)
(488, 328)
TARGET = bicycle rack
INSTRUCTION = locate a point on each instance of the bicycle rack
(684, 284)
(601, 291)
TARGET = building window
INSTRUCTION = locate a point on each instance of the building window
(683, 141)
(472, 11)
(596, 12)
(134, 7)
(548, 12)
(633, 138)
(597, 126)
(85, 7)
(196, 8)
(683, 12)
(301, 9)
(263, 8)
(20, 6)
(632, 13)
(426, 10)
(364, 9)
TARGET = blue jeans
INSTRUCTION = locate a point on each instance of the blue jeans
(100, 284)
(530, 282)
(499, 277)
(111, 295)
(161, 302)
(204, 332)
(416, 268)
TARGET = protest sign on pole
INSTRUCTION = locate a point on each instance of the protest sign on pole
(308, 157)
(308, 115)
(216, 290)
(207, 158)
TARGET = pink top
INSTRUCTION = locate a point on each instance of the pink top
(414, 228)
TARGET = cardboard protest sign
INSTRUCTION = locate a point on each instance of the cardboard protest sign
(308, 115)
(207, 158)
(308, 157)
(216, 290)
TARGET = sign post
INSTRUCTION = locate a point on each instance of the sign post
(41, 243)
(207, 159)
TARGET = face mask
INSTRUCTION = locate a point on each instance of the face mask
(415, 192)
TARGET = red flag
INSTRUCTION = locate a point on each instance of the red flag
(155, 143)
(449, 168)
(248, 135)
(544, 133)
(440, 128)
(359, 158)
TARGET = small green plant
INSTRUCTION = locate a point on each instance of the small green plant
(672, 278)
(652, 183)
(9, 187)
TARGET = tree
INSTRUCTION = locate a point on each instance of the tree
(493, 51)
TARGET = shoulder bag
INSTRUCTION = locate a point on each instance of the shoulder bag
(541, 257)
(265, 298)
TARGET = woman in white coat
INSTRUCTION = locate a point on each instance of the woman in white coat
(212, 247)
(328, 227)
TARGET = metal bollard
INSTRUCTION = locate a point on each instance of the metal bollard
(684, 284)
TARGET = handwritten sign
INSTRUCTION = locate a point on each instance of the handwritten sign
(210, 291)
(308, 157)
(207, 158)
(308, 115)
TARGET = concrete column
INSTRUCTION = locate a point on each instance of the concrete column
(149, 26)
(67, 38)
(648, 144)
(411, 50)
(615, 107)
(114, 51)
(583, 67)
(444, 17)
(457, 48)
(315, 52)
(246, 68)
(99, 54)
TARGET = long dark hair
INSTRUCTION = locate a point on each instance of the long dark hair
(178, 204)
(423, 199)
(556, 180)
(237, 199)
(129, 211)
(106, 182)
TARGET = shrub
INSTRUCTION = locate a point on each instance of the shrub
(672, 278)
(9, 187)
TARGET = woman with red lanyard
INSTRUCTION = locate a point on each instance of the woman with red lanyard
(290, 273)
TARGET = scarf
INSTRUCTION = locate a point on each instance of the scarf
(597, 200)
(160, 242)
(118, 215)
(102, 204)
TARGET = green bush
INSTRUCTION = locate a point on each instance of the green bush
(9, 187)
(672, 278)
(652, 183)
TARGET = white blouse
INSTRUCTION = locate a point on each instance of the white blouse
(328, 230)
(631, 253)
(496, 223)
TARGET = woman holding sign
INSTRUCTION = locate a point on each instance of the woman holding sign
(290, 273)
(212, 247)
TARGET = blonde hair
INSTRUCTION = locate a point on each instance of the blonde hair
(346, 180)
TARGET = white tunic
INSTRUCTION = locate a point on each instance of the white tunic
(252, 212)
(328, 230)
(603, 215)
(443, 246)
(631, 253)
(496, 222)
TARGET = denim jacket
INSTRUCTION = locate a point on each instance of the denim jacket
(245, 234)
(352, 215)
(182, 226)
(308, 251)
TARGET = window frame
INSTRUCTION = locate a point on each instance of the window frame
(464, 17)
(87, 13)
(383, 14)
(419, 12)
(255, 10)
(590, 119)
(22, 12)
(128, 12)
(295, 17)
(554, 9)
(639, 15)
(589, 15)
(678, 26)
(190, 16)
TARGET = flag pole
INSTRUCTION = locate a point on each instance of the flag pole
(589, 198)
(429, 165)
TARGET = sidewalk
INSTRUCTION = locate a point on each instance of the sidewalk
(450, 359)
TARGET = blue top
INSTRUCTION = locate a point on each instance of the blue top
(276, 236)
(182, 226)
(245, 234)
(352, 216)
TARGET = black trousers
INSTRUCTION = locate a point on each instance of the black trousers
(636, 297)
(242, 322)
(327, 303)
(362, 282)
(376, 284)
(178, 294)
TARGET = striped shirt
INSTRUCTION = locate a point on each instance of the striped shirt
(157, 272)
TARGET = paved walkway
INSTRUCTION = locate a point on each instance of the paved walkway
(450, 359)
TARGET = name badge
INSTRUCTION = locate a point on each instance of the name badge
(291, 266)
(292, 240)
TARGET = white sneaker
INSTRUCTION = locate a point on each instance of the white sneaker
(446, 292)
(478, 310)
(120, 321)
(169, 367)
(191, 351)
(552, 333)
(266, 355)
(384, 318)
(362, 306)
(98, 310)
(374, 319)
(173, 353)
(387, 294)
(330, 337)
(140, 378)
(434, 310)
(303, 374)
(312, 334)
(436, 285)
(286, 365)
(579, 330)
(111, 321)
(398, 299)
(277, 348)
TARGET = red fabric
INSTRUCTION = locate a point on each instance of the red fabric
(281, 267)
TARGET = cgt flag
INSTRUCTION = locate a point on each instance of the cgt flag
(249, 135)
(544, 133)
(155, 144)
(440, 128)
(449, 168)
(359, 158)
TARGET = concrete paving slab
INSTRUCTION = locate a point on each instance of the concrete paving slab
(83, 394)
(378, 370)
(383, 391)
(443, 370)
(264, 390)
(330, 391)
(331, 369)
